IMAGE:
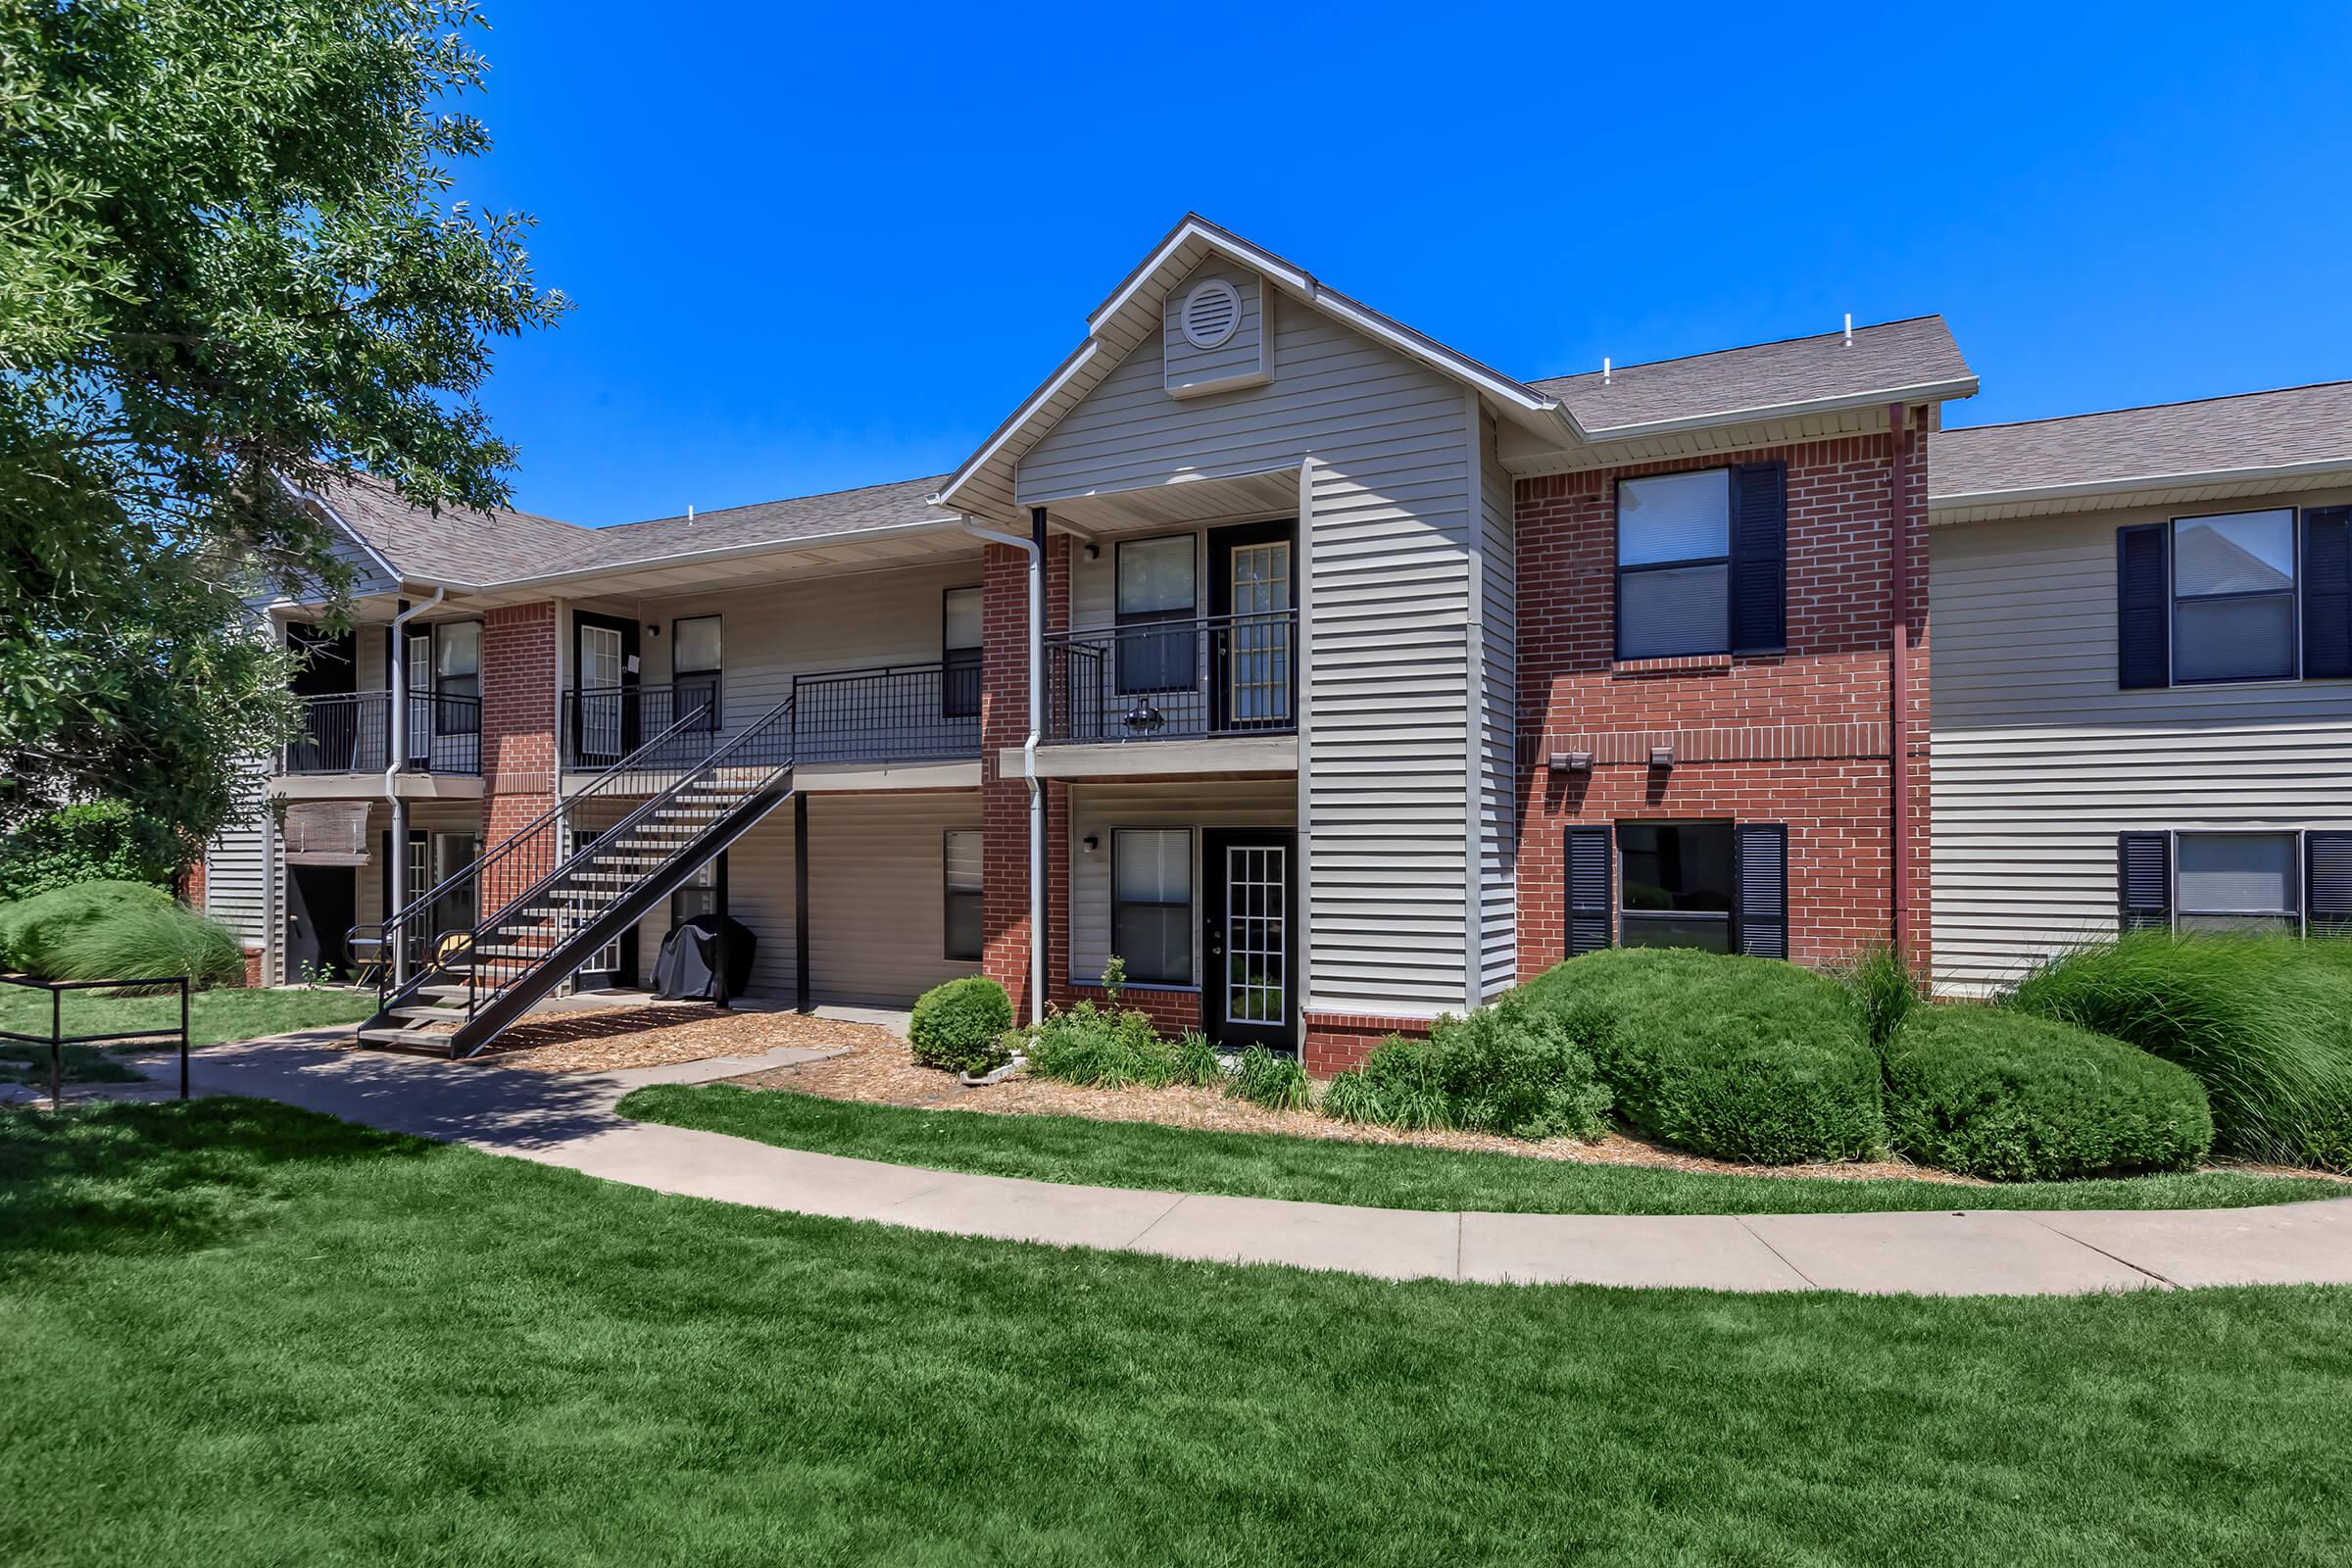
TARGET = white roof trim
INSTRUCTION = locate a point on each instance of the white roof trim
(314, 498)
(1922, 392)
(2092, 488)
(1078, 359)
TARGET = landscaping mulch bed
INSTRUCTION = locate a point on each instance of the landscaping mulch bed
(602, 1039)
(885, 1072)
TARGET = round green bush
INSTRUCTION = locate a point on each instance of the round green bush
(959, 1025)
(1996, 1093)
(1734, 1058)
(36, 932)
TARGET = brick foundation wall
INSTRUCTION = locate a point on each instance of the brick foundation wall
(518, 726)
(255, 960)
(1799, 737)
(1334, 1042)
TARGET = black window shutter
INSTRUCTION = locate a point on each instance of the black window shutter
(2326, 592)
(2328, 884)
(1760, 557)
(2144, 880)
(1761, 849)
(2144, 611)
(1587, 850)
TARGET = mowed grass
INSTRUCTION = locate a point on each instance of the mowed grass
(1141, 1154)
(236, 1332)
(213, 1016)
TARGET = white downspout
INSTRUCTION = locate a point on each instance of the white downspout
(397, 873)
(1036, 790)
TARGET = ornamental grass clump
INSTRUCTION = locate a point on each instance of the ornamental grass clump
(1263, 1078)
(1514, 1068)
(149, 942)
(1882, 989)
(2264, 1023)
(1740, 1059)
(38, 935)
(1997, 1093)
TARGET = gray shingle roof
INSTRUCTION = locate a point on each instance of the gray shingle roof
(460, 545)
(457, 544)
(877, 506)
(1886, 358)
(2298, 425)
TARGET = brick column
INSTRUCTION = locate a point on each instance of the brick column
(1004, 793)
(518, 725)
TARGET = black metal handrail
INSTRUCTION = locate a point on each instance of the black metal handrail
(351, 732)
(1208, 675)
(536, 839)
(896, 711)
(56, 1040)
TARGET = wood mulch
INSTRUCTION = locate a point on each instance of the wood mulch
(885, 1072)
(602, 1039)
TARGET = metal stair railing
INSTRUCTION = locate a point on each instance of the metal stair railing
(562, 913)
(535, 838)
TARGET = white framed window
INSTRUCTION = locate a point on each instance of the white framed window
(1159, 582)
(959, 647)
(2233, 598)
(1151, 913)
(961, 864)
(457, 679)
(695, 656)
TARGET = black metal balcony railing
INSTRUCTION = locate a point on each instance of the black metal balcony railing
(1216, 676)
(351, 732)
(905, 713)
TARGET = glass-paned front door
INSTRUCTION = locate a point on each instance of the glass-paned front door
(1257, 671)
(1249, 937)
(601, 668)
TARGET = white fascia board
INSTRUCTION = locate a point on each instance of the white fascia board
(2318, 467)
(1923, 392)
(1078, 359)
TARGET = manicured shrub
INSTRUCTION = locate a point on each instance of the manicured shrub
(959, 1025)
(32, 931)
(1736, 1057)
(1997, 1093)
(1262, 1078)
(2264, 1023)
(143, 941)
(1882, 989)
(1514, 1067)
(100, 841)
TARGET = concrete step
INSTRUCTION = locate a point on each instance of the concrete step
(431, 1013)
(421, 1042)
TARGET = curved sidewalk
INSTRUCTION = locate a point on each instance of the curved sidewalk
(568, 1120)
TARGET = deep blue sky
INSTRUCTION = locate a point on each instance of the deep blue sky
(813, 249)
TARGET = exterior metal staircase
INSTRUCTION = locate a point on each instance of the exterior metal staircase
(544, 904)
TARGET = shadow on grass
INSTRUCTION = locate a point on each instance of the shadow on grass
(170, 1177)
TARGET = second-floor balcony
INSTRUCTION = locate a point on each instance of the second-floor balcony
(905, 713)
(1192, 678)
(351, 732)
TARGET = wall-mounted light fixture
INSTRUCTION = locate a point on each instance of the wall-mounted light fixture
(1093, 551)
(1571, 762)
(1661, 756)
(1092, 843)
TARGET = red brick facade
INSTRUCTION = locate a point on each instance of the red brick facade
(1004, 793)
(1799, 737)
(518, 726)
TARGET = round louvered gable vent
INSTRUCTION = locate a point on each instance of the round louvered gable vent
(1213, 314)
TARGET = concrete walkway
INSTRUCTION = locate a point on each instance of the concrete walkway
(567, 1119)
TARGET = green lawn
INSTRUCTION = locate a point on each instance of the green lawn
(234, 1333)
(213, 1017)
(1101, 1154)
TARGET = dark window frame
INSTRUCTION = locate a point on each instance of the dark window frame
(948, 894)
(1630, 918)
(2292, 593)
(1192, 906)
(959, 678)
(1123, 641)
(716, 678)
(457, 718)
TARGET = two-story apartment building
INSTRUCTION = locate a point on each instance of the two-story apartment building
(1329, 678)
(2144, 675)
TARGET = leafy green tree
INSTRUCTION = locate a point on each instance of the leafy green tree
(231, 268)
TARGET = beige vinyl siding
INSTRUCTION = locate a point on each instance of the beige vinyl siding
(1191, 372)
(1498, 789)
(1385, 555)
(236, 880)
(1098, 809)
(769, 634)
(877, 895)
(2040, 761)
